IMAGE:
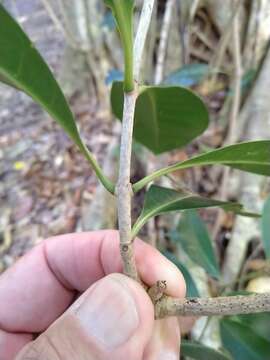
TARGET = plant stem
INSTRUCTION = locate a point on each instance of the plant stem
(107, 183)
(124, 189)
(219, 306)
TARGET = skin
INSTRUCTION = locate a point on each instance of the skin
(45, 291)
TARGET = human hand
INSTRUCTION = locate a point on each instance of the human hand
(68, 290)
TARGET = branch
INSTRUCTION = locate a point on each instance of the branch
(140, 39)
(220, 306)
(164, 33)
(124, 189)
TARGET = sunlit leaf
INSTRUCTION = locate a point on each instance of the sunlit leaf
(166, 118)
(253, 156)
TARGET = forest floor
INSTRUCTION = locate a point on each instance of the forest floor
(44, 182)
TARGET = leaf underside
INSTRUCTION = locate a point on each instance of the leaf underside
(193, 236)
(191, 290)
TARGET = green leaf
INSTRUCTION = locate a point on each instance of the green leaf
(242, 341)
(198, 351)
(192, 290)
(253, 156)
(166, 118)
(22, 66)
(123, 14)
(266, 228)
(259, 323)
(194, 238)
(160, 200)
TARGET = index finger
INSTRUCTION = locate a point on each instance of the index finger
(41, 285)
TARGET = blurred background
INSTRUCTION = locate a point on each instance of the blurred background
(218, 48)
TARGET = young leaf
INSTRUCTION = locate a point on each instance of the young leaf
(166, 118)
(22, 67)
(253, 156)
(193, 236)
(266, 228)
(242, 341)
(159, 200)
(194, 350)
(123, 14)
(192, 290)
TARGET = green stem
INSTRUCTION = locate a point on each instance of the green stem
(155, 175)
(102, 177)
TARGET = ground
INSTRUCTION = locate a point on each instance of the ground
(44, 180)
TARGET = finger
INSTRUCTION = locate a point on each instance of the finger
(165, 341)
(112, 320)
(40, 287)
(11, 344)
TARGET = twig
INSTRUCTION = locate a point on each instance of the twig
(220, 306)
(156, 291)
(59, 26)
(124, 188)
(164, 33)
(193, 9)
(140, 39)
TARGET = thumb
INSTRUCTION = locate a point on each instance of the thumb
(113, 319)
